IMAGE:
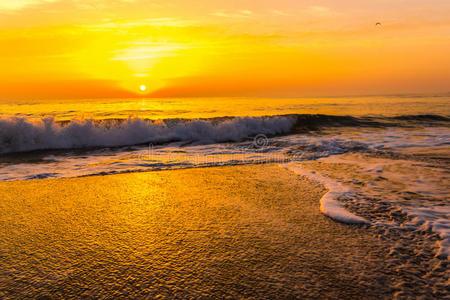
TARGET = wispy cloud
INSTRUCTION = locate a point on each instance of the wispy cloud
(239, 14)
(147, 50)
(17, 5)
(319, 11)
(14, 5)
(149, 22)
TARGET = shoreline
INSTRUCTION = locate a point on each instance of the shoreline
(235, 231)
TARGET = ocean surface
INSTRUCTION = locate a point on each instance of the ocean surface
(397, 147)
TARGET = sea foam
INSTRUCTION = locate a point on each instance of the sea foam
(329, 204)
(20, 134)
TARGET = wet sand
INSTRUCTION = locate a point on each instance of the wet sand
(225, 232)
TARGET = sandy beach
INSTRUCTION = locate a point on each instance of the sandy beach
(167, 149)
(247, 231)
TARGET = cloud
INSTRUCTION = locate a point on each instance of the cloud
(240, 14)
(13, 5)
(146, 51)
(149, 22)
(17, 5)
(320, 11)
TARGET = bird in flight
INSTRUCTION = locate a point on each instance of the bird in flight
(378, 24)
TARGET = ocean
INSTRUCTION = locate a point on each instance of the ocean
(385, 159)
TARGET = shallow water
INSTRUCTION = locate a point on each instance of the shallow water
(218, 232)
(391, 153)
(263, 148)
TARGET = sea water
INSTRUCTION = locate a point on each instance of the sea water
(398, 147)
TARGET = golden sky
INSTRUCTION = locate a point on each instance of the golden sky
(109, 48)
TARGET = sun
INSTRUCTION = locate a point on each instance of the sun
(143, 88)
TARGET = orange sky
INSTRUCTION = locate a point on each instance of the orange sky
(76, 49)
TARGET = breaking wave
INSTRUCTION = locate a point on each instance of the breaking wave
(22, 135)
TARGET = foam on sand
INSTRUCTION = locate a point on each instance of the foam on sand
(329, 204)
(417, 190)
(433, 219)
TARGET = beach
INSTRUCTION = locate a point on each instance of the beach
(222, 232)
(264, 207)
(224, 149)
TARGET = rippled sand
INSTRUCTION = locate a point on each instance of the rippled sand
(225, 232)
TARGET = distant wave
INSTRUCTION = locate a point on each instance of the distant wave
(311, 122)
(22, 135)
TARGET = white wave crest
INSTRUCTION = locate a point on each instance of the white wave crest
(20, 134)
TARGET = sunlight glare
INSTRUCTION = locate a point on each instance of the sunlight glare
(143, 88)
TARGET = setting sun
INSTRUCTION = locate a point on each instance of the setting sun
(67, 49)
(143, 88)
